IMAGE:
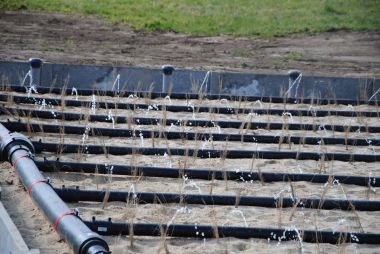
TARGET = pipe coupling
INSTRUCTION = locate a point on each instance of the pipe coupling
(12, 142)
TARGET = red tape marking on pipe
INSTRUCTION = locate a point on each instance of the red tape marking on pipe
(60, 217)
(43, 180)
(19, 157)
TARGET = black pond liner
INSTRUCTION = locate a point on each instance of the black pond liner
(74, 195)
(122, 132)
(205, 153)
(50, 114)
(209, 231)
(205, 174)
(181, 108)
(154, 95)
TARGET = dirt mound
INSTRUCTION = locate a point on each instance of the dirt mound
(91, 40)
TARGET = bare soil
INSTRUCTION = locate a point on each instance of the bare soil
(92, 40)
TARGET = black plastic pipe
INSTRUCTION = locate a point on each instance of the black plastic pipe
(122, 132)
(181, 108)
(35, 71)
(205, 174)
(154, 95)
(202, 153)
(45, 114)
(18, 150)
(208, 231)
(74, 195)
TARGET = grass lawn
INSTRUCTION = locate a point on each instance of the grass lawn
(265, 18)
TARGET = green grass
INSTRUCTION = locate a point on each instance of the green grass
(241, 53)
(265, 18)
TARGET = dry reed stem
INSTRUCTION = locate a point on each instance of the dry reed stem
(63, 96)
(292, 188)
(97, 177)
(28, 125)
(279, 204)
(346, 134)
(131, 234)
(327, 185)
(163, 245)
(153, 138)
(223, 157)
(316, 233)
(10, 99)
(357, 218)
(104, 147)
(238, 195)
(293, 211)
(106, 197)
(212, 183)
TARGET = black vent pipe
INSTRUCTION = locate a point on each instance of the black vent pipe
(19, 151)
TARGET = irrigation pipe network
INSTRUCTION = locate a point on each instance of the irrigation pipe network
(19, 151)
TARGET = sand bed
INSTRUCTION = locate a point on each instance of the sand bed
(30, 219)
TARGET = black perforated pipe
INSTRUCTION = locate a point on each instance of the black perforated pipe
(251, 138)
(45, 114)
(208, 231)
(202, 153)
(75, 195)
(206, 174)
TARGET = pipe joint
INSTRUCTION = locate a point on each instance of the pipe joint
(11, 142)
(94, 246)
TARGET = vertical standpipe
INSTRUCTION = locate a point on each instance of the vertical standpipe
(167, 80)
(35, 71)
(19, 151)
